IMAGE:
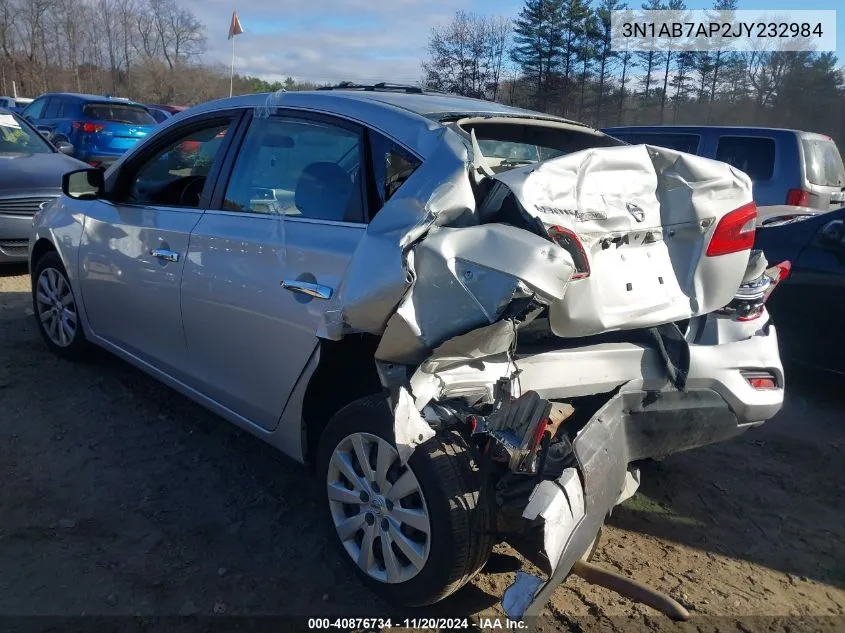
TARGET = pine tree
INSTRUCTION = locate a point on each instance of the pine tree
(649, 60)
(606, 56)
(538, 44)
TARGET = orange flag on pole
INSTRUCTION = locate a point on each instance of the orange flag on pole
(235, 27)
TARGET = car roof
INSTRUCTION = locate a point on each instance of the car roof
(412, 119)
(92, 98)
(427, 104)
(698, 128)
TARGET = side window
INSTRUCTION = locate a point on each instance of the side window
(175, 175)
(753, 155)
(35, 108)
(298, 168)
(53, 109)
(392, 166)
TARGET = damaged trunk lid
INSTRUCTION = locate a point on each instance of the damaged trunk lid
(655, 235)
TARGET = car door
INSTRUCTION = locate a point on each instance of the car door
(808, 309)
(50, 117)
(33, 111)
(265, 260)
(135, 243)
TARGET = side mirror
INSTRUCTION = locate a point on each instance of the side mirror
(65, 148)
(84, 184)
(832, 235)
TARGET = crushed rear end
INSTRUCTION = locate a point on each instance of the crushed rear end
(571, 316)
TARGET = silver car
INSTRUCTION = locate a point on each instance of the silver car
(469, 319)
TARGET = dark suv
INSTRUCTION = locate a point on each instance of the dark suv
(100, 128)
(787, 167)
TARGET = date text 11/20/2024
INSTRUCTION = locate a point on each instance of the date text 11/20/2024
(345, 624)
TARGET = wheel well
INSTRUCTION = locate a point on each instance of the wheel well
(41, 247)
(345, 373)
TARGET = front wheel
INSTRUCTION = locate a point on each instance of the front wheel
(55, 308)
(414, 533)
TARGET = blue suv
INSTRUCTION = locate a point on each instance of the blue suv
(100, 128)
(791, 167)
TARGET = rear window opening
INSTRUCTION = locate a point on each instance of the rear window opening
(118, 113)
(509, 143)
(823, 162)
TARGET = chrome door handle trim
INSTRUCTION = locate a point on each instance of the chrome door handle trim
(312, 290)
(163, 253)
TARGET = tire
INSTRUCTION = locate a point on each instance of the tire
(62, 334)
(448, 485)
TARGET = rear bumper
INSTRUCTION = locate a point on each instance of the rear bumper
(633, 425)
(647, 418)
(14, 237)
(594, 369)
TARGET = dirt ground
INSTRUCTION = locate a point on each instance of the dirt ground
(121, 497)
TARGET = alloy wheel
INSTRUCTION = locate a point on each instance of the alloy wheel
(56, 307)
(378, 508)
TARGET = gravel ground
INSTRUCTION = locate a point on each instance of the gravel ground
(121, 497)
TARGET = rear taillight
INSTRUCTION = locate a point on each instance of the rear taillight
(798, 198)
(87, 127)
(749, 300)
(568, 241)
(735, 231)
(761, 380)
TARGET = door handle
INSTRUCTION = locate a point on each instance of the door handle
(163, 253)
(312, 290)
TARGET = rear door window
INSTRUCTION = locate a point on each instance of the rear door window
(752, 154)
(823, 163)
(300, 168)
(54, 108)
(681, 142)
(35, 109)
(118, 113)
(392, 165)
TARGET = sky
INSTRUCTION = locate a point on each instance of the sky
(369, 41)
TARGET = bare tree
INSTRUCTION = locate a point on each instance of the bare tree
(466, 56)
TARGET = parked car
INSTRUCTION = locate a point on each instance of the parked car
(31, 171)
(809, 308)
(787, 166)
(162, 112)
(370, 280)
(159, 114)
(100, 128)
(14, 104)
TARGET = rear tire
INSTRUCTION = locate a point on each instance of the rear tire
(447, 481)
(56, 309)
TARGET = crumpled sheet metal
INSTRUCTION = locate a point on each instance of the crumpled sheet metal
(378, 274)
(561, 504)
(464, 279)
(644, 215)
(410, 428)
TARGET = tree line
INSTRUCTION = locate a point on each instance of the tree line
(555, 56)
(148, 50)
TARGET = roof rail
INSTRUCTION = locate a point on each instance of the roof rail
(379, 87)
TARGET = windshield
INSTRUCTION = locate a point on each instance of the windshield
(823, 163)
(118, 113)
(17, 138)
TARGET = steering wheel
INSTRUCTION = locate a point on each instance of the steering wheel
(191, 191)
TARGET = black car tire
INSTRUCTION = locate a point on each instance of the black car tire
(78, 347)
(447, 472)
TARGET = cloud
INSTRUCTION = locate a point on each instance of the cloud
(325, 40)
